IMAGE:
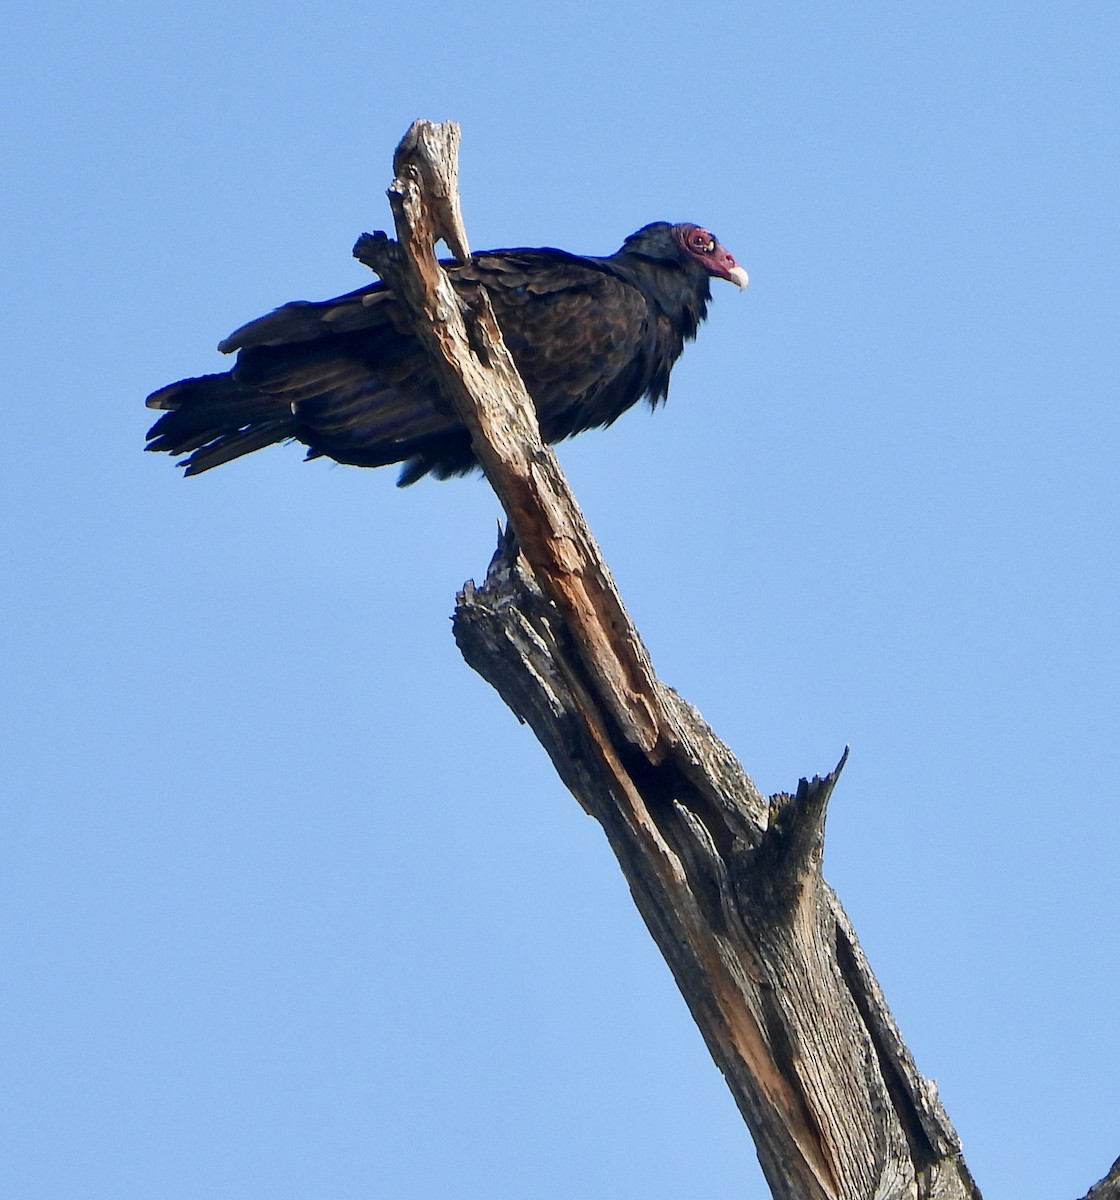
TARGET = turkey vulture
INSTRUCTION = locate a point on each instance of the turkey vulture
(590, 336)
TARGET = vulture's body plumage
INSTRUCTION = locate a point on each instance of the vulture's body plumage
(590, 336)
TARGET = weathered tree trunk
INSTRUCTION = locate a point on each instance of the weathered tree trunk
(728, 881)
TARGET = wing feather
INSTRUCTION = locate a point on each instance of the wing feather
(348, 378)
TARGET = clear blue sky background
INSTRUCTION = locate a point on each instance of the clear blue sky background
(292, 907)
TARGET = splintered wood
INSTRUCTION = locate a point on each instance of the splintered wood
(727, 880)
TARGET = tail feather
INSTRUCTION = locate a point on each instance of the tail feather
(214, 419)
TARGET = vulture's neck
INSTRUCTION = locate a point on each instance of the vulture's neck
(680, 294)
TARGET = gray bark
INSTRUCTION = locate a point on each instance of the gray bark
(729, 884)
(1109, 1186)
(728, 880)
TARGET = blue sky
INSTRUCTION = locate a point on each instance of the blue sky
(292, 907)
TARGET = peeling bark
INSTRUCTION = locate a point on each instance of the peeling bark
(727, 880)
(729, 885)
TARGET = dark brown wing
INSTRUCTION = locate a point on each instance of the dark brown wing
(347, 378)
(359, 386)
(578, 332)
(342, 376)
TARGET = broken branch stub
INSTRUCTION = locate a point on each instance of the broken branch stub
(778, 987)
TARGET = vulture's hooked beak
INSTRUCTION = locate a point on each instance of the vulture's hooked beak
(726, 267)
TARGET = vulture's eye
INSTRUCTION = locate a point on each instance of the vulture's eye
(703, 241)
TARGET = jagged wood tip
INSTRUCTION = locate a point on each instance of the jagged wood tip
(429, 154)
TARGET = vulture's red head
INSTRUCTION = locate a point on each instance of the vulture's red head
(686, 245)
(700, 245)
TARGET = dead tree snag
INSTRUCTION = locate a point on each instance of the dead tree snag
(728, 881)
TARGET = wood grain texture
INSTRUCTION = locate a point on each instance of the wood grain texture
(727, 880)
(480, 378)
(729, 885)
